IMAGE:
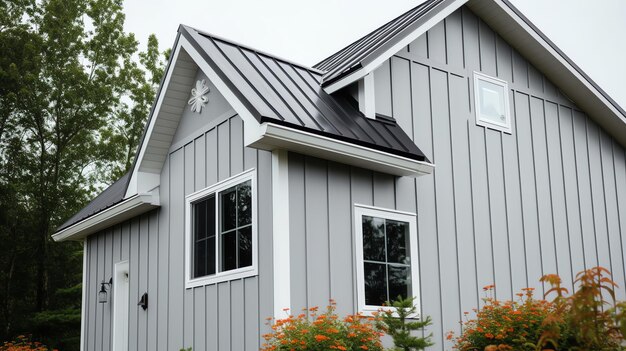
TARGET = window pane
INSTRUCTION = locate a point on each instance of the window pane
(397, 242)
(375, 284)
(211, 218)
(210, 255)
(245, 246)
(399, 281)
(199, 216)
(491, 97)
(244, 204)
(228, 209)
(229, 251)
(373, 239)
(199, 254)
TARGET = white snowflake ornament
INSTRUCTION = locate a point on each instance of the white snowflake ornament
(198, 100)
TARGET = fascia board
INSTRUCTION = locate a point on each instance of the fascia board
(273, 136)
(375, 59)
(124, 210)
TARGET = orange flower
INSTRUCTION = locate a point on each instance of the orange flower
(320, 338)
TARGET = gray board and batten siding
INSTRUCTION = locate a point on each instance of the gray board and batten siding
(499, 208)
(224, 316)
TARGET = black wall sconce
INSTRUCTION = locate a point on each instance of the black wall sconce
(143, 302)
(102, 294)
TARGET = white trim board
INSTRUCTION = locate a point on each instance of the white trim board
(118, 213)
(280, 240)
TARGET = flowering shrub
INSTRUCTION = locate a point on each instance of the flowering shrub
(324, 331)
(582, 321)
(23, 343)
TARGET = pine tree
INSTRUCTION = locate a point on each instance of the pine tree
(399, 325)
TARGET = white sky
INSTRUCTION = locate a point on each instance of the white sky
(590, 32)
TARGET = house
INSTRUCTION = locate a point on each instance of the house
(452, 148)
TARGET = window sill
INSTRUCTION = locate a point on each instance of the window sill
(222, 277)
(370, 310)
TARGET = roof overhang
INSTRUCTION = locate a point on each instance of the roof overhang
(127, 209)
(273, 136)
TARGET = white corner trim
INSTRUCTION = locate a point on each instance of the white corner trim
(367, 96)
(83, 307)
(275, 136)
(382, 57)
(280, 240)
(124, 210)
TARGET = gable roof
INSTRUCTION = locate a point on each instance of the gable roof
(284, 93)
(367, 53)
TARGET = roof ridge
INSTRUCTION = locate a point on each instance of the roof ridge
(257, 51)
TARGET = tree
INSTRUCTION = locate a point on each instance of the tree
(73, 99)
(399, 328)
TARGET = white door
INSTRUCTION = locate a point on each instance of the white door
(120, 307)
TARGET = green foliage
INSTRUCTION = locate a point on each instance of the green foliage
(399, 325)
(74, 93)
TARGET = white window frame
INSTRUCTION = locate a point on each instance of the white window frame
(411, 218)
(200, 195)
(503, 127)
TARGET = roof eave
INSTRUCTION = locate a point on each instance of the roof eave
(129, 208)
(273, 136)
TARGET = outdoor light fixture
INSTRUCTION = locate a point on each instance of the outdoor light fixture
(102, 294)
(143, 302)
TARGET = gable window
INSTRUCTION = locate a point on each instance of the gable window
(386, 253)
(220, 234)
(491, 99)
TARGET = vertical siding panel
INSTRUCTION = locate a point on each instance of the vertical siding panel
(528, 189)
(223, 150)
(199, 318)
(570, 182)
(265, 259)
(454, 39)
(487, 49)
(384, 190)
(153, 280)
(212, 317)
(517, 248)
(535, 80)
(318, 260)
(200, 163)
(236, 145)
(362, 187)
(497, 212)
(211, 157)
(426, 222)
(297, 229)
(557, 194)
(419, 47)
(176, 272)
(437, 43)
(189, 187)
(340, 238)
(612, 215)
(108, 272)
(224, 313)
(444, 201)
(520, 70)
(503, 60)
(382, 81)
(542, 180)
(470, 39)
(237, 313)
(249, 158)
(142, 321)
(459, 119)
(584, 190)
(597, 195)
(401, 88)
(252, 320)
(619, 157)
(164, 257)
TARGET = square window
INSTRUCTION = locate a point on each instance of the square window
(220, 237)
(491, 99)
(386, 250)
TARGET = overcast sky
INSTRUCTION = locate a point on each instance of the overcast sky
(592, 33)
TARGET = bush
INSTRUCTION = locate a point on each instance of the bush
(585, 320)
(23, 343)
(325, 331)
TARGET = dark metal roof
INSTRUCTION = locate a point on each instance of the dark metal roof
(350, 58)
(110, 196)
(285, 93)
